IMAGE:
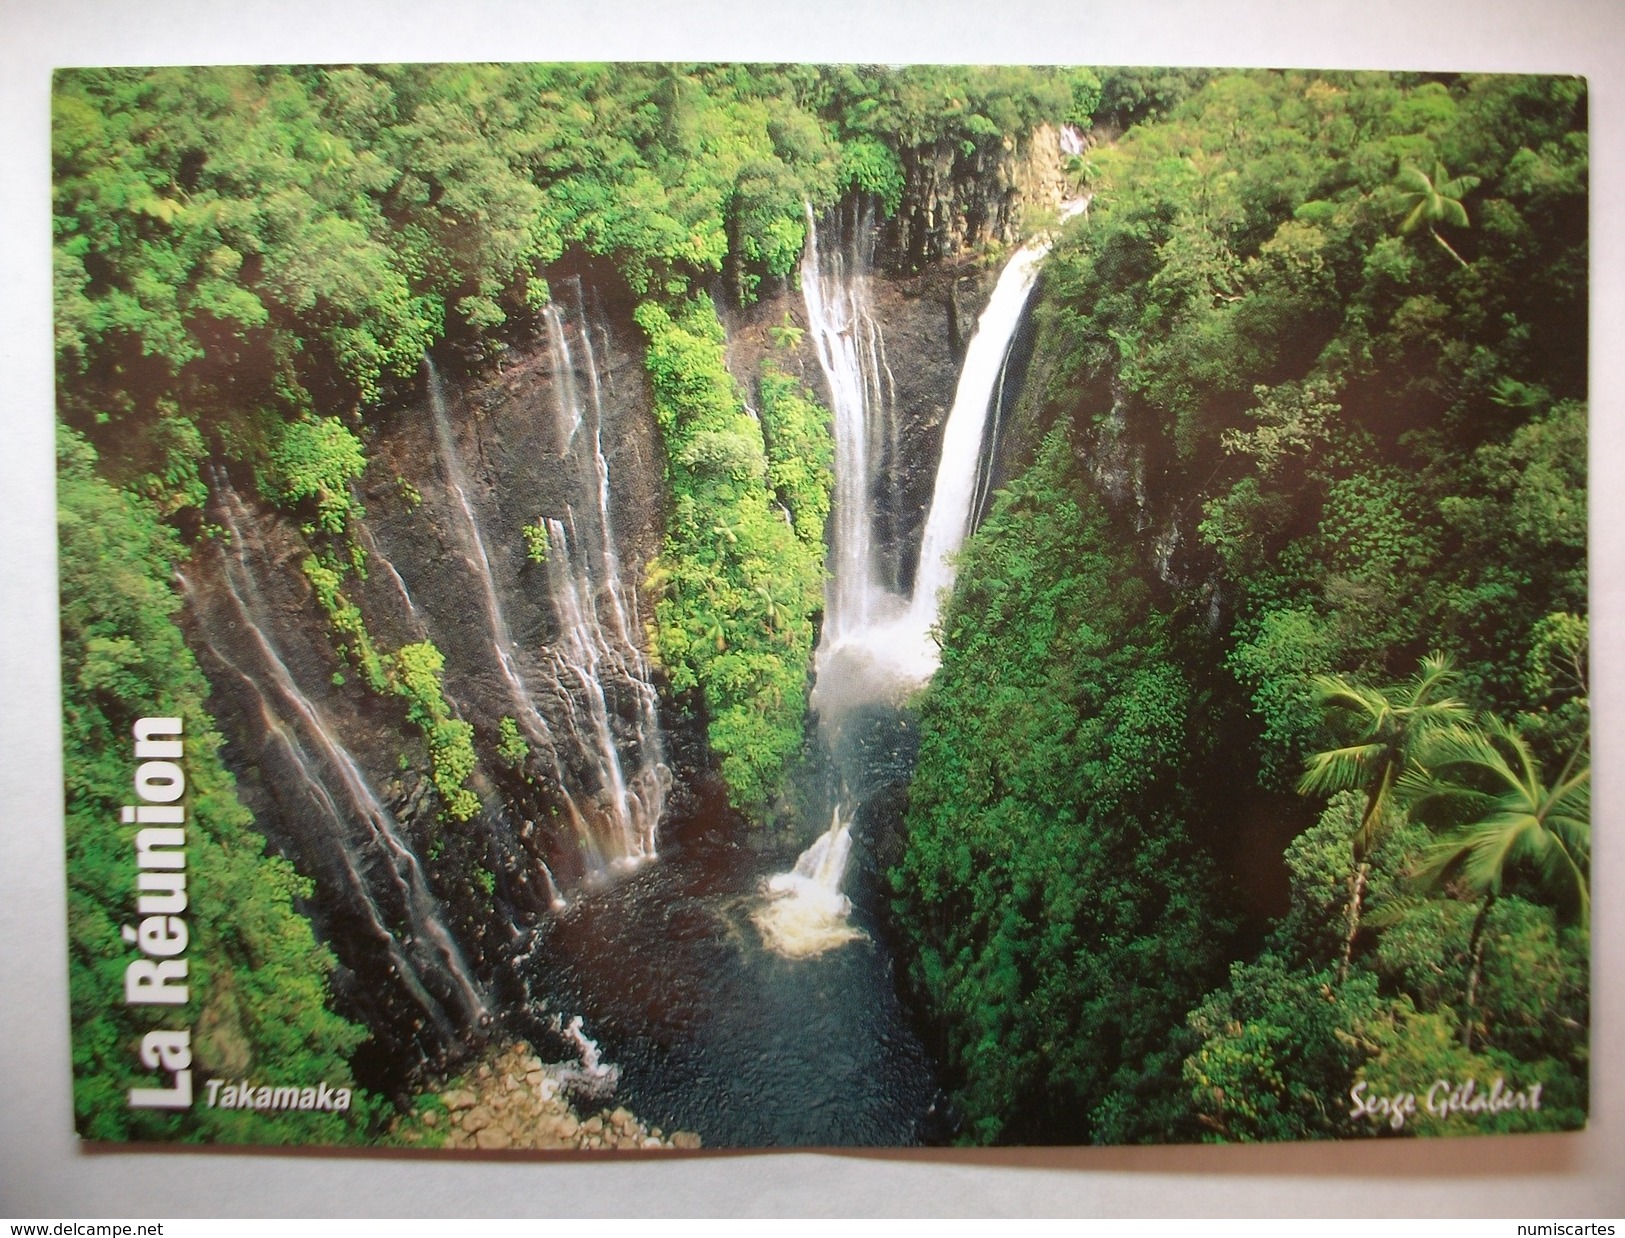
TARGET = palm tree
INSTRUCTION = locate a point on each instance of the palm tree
(1515, 821)
(770, 605)
(712, 630)
(1392, 724)
(1435, 200)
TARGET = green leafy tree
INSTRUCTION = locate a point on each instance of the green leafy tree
(1432, 201)
(258, 980)
(1516, 820)
(1390, 725)
(1049, 892)
(738, 584)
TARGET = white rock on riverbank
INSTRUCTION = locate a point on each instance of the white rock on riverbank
(515, 1100)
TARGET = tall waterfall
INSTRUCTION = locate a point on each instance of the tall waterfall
(596, 654)
(875, 639)
(586, 700)
(852, 354)
(386, 884)
(953, 497)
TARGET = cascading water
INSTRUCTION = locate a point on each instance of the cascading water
(479, 562)
(595, 650)
(806, 913)
(875, 641)
(586, 701)
(852, 354)
(384, 878)
(377, 557)
(952, 500)
(580, 654)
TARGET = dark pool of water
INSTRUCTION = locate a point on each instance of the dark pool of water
(714, 1033)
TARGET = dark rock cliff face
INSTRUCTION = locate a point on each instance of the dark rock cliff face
(314, 745)
(292, 717)
(926, 320)
(955, 200)
(930, 286)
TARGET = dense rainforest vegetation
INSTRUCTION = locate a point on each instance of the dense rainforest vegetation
(1293, 556)
(247, 259)
(1337, 326)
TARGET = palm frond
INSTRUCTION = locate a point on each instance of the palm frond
(1460, 186)
(1339, 769)
(1413, 179)
(1519, 820)
(1336, 692)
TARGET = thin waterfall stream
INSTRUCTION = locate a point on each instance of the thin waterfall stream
(741, 985)
(570, 694)
(386, 884)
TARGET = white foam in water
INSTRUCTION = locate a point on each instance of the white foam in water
(877, 643)
(588, 1048)
(805, 912)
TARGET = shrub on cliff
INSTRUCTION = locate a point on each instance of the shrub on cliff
(738, 587)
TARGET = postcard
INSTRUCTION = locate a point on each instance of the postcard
(678, 606)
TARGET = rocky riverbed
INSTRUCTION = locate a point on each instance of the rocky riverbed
(514, 1100)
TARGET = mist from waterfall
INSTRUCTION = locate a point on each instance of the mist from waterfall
(877, 642)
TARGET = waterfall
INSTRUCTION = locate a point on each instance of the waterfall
(852, 354)
(580, 654)
(805, 912)
(597, 683)
(951, 500)
(479, 562)
(375, 860)
(377, 557)
(596, 650)
(875, 641)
